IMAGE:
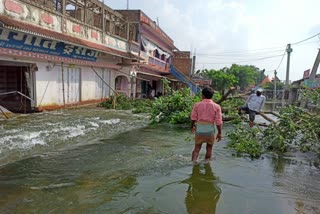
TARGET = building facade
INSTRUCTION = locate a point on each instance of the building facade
(56, 53)
(156, 50)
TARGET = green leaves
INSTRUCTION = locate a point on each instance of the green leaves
(244, 74)
(297, 129)
(175, 108)
(125, 103)
(244, 140)
(221, 80)
(237, 75)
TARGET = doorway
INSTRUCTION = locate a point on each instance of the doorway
(17, 86)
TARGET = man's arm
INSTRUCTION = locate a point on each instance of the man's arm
(193, 125)
(249, 98)
(193, 117)
(218, 121)
(219, 135)
(262, 104)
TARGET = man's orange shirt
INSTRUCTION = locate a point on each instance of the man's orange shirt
(207, 111)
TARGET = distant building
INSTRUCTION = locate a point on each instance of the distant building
(161, 59)
(155, 48)
(266, 80)
(183, 62)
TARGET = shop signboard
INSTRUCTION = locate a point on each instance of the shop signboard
(26, 42)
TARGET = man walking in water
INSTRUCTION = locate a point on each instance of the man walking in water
(253, 106)
(205, 116)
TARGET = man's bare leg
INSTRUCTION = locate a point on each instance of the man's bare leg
(209, 152)
(196, 152)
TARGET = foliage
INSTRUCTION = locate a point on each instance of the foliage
(270, 86)
(311, 95)
(244, 74)
(296, 129)
(122, 103)
(237, 75)
(261, 76)
(175, 108)
(243, 140)
(232, 103)
(221, 80)
(216, 96)
(125, 103)
(142, 106)
(166, 84)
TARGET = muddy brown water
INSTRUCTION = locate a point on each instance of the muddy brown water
(97, 161)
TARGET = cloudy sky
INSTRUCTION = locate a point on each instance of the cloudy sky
(222, 32)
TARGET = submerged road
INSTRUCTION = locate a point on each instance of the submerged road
(92, 160)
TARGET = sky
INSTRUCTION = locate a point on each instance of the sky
(246, 32)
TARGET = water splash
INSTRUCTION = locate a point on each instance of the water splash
(47, 131)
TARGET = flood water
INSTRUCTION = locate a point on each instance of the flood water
(96, 161)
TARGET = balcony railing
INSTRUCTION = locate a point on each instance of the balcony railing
(134, 47)
(157, 62)
(46, 15)
(75, 10)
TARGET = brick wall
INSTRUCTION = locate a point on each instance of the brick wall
(182, 62)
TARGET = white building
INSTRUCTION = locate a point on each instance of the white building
(58, 53)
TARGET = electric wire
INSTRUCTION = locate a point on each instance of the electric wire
(261, 51)
(295, 43)
(242, 55)
(285, 52)
(257, 52)
(247, 52)
(233, 62)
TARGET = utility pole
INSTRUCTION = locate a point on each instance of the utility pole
(289, 51)
(315, 67)
(127, 4)
(274, 90)
(193, 66)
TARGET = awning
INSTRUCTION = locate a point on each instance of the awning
(145, 75)
(38, 31)
(149, 46)
(153, 69)
(45, 57)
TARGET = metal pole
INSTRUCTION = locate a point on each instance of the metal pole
(4, 114)
(315, 67)
(127, 4)
(103, 22)
(274, 90)
(62, 78)
(289, 50)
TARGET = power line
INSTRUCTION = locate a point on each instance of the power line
(311, 42)
(244, 55)
(254, 51)
(232, 62)
(285, 52)
(251, 52)
(305, 39)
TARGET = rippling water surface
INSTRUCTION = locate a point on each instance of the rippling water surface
(97, 161)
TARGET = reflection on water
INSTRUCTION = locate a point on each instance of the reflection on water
(203, 194)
